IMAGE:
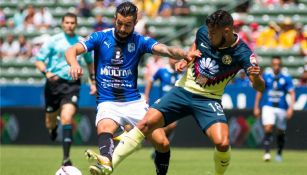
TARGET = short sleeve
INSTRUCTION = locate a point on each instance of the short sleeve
(93, 40)
(201, 35)
(248, 59)
(156, 75)
(147, 43)
(45, 51)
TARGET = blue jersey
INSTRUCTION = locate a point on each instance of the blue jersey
(276, 89)
(209, 74)
(167, 77)
(116, 64)
(241, 82)
(53, 52)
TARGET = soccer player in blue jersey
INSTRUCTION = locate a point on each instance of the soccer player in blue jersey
(199, 91)
(61, 92)
(275, 111)
(117, 52)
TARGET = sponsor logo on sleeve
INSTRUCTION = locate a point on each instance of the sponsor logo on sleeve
(253, 59)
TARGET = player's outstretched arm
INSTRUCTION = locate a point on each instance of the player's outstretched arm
(256, 105)
(148, 88)
(175, 52)
(71, 57)
(182, 64)
(255, 78)
(291, 104)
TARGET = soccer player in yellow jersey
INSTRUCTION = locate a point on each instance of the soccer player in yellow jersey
(198, 93)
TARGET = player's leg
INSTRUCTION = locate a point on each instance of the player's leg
(69, 94)
(219, 135)
(105, 130)
(134, 138)
(52, 100)
(170, 108)
(211, 119)
(169, 132)
(68, 110)
(268, 122)
(51, 124)
(281, 126)
(108, 119)
(160, 142)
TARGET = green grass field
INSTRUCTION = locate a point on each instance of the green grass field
(45, 160)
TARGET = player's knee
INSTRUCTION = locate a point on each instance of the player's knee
(163, 145)
(222, 144)
(50, 125)
(145, 126)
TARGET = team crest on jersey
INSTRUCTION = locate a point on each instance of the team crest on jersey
(131, 47)
(118, 57)
(226, 59)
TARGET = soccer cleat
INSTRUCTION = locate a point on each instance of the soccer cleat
(53, 133)
(103, 164)
(67, 162)
(267, 157)
(278, 158)
(120, 137)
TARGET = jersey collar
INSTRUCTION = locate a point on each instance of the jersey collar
(234, 44)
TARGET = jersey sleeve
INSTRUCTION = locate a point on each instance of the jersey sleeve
(93, 40)
(200, 35)
(247, 60)
(156, 75)
(147, 44)
(45, 51)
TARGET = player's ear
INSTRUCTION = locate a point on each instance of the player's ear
(227, 30)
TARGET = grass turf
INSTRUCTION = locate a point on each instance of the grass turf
(45, 160)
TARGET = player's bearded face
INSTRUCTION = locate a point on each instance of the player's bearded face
(124, 26)
(276, 65)
(216, 37)
(69, 25)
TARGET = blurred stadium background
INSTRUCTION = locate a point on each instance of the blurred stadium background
(270, 27)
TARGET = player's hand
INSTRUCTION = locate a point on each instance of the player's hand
(257, 112)
(254, 70)
(192, 55)
(93, 89)
(75, 71)
(51, 76)
(289, 113)
(181, 65)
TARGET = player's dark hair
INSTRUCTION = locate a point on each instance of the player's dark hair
(220, 18)
(276, 57)
(127, 9)
(69, 14)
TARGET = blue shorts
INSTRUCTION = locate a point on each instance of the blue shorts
(179, 103)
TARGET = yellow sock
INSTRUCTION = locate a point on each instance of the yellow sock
(222, 160)
(129, 143)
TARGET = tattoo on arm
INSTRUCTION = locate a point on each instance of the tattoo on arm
(173, 52)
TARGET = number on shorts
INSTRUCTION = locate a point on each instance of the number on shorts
(217, 108)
